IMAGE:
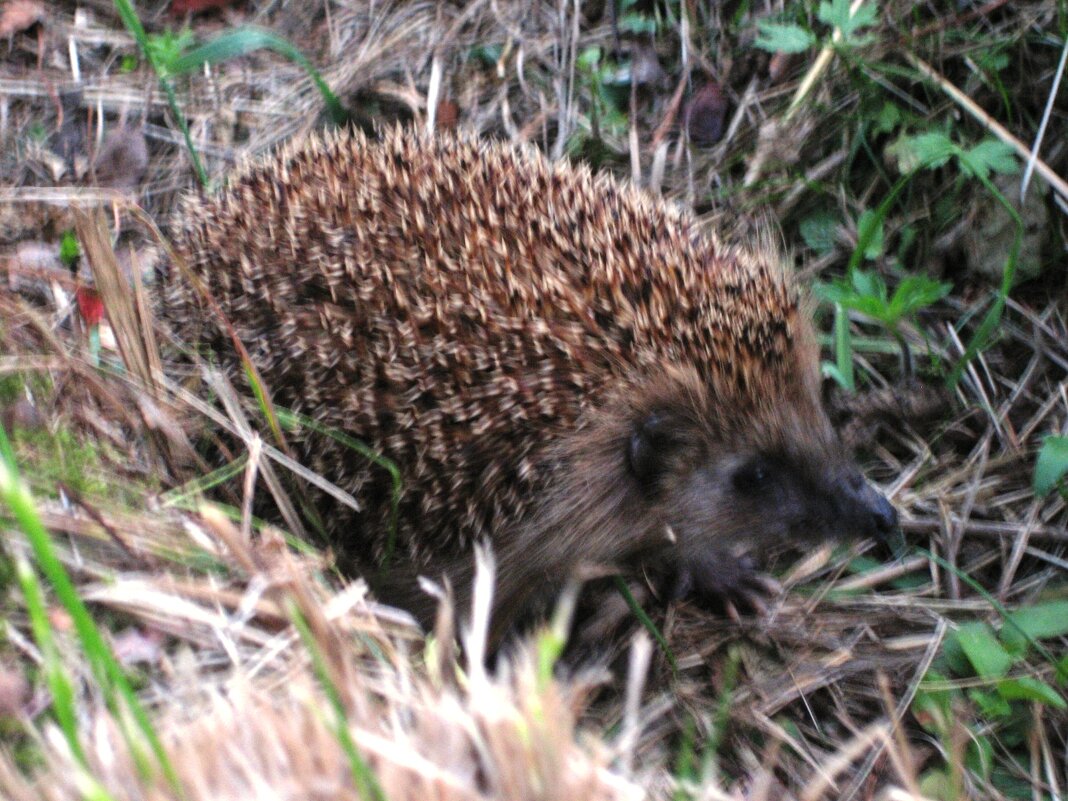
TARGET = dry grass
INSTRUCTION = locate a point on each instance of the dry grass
(814, 700)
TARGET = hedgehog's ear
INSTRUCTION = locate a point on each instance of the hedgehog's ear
(654, 446)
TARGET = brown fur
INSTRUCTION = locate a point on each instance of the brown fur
(500, 327)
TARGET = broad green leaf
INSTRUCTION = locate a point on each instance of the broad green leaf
(1052, 464)
(938, 785)
(987, 656)
(1040, 621)
(1026, 688)
(818, 231)
(933, 705)
(778, 37)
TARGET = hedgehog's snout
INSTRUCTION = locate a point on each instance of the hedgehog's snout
(862, 508)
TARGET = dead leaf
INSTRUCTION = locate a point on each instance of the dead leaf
(447, 116)
(20, 15)
(122, 160)
(705, 115)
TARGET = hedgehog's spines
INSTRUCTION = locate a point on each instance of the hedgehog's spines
(461, 304)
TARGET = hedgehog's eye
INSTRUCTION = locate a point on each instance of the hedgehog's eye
(752, 478)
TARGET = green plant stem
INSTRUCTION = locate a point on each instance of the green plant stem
(647, 622)
(137, 30)
(367, 786)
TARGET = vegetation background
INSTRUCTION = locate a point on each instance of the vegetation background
(161, 641)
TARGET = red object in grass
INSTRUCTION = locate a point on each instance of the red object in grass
(90, 305)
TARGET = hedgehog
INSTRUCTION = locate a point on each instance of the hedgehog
(559, 364)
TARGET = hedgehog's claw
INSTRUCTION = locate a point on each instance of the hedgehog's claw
(726, 582)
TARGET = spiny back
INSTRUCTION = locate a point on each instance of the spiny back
(460, 306)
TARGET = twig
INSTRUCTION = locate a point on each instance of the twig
(821, 63)
(1030, 168)
(988, 122)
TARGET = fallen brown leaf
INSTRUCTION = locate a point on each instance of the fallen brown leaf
(20, 15)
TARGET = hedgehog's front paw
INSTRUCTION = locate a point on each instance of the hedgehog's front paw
(725, 581)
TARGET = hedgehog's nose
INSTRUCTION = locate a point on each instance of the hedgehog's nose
(884, 514)
(866, 508)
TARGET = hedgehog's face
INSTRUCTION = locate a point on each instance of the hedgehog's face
(750, 490)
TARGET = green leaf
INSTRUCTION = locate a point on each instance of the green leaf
(986, 655)
(929, 150)
(992, 60)
(1026, 688)
(818, 231)
(870, 233)
(888, 119)
(1052, 464)
(843, 349)
(990, 155)
(486, 54)
(242, 41)
(589, 58)
(634, 22)
(69, 250)
(991, 704)
(834, 292)
(917, 292)
(836, 14)
(1039, 622)
(165, 49)
(933, 705)
(776, 37)
(938, 785)
(869, 285)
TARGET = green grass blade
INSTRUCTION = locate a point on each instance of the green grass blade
(367, 786)
(59, 683)
(843, 347)
(873, 225)
(105, 667)
(133, 24)
(647, 622)
(242, 41)
(291, 419)
(183, 495)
